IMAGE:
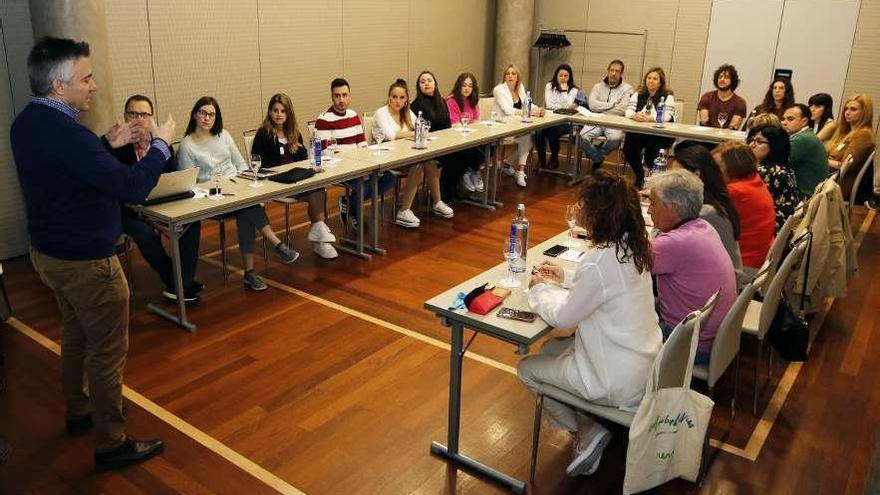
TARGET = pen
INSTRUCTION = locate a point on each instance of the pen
(233, 180)
(229, 194)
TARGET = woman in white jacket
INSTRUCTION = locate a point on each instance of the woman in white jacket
(643, 108)
(510, 96)
(560, 93)
(609, 299)
(396, 121)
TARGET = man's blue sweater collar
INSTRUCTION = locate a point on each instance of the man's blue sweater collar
(57, 105)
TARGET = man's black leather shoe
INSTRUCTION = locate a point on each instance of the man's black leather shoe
(132, 451)
(83, 425)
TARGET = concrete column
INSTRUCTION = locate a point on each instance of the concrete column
(81, 20)
(513, 37)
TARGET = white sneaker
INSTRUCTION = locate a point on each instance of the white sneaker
(443, 210)
(406, 218)
(325, 250)
(478, 180)
(521, 178)
(320, 232)
(593, 444)
(509, 171)
(468, 182)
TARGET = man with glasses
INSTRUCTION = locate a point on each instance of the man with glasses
(808, 158)
(129, 142)
(72, 189)
(609, 96)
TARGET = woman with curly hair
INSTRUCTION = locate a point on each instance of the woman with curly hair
(610, 300)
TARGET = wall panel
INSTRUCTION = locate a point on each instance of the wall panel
(131, 65)
(863, 74)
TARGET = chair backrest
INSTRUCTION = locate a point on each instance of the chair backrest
(248, 137)
(725, 347)
(175, 146)
(486, 104)
(774, 292)
(844, 168)
(676, 352)
(774, 255)
(855, 187)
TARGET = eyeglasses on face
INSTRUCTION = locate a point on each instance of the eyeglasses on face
(206, 115)
(757, 141)
(138, 115)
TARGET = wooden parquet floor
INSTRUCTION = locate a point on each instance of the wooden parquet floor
(334, 381)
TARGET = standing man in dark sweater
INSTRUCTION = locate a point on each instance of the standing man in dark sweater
(72, 189)
(129, 143)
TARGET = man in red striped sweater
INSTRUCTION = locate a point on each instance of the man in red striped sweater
(345, 125)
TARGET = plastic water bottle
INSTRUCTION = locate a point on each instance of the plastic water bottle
(661, 108)
(528, 115)
(317, 151)
(419, 137)
(520, 228)
(660, 163)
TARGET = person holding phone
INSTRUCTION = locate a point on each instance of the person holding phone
(610, 300)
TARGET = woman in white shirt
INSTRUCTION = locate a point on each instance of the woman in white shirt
(559, 93)
(609, 299)
(208, 145)
(510, 96)
(395, 120)
(643, 108)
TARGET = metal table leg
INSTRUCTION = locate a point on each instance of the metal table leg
(451, 451)
(174, 233)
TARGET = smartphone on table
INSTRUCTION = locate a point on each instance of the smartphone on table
(517, 314)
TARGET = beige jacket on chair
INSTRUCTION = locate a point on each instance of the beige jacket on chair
(832, 259)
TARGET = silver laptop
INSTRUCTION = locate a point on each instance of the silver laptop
(174, 185)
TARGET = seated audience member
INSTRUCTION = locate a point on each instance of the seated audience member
(808, 158)
(643, 108)
(395, 120)
(723, 108)
(763, 119)
(464, 101)
(772, 149)
(779, 96)
(129, 143)
(433, 107)
(278, 142)
(609, 96)
(853, 136)
(207, 145)
(559, 93)
(822, 115)
(610, 301)
(690, 261)
(750, 198)
(510, 96)
(717, 208)
(343, 124)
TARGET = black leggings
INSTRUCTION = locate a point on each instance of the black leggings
(552, 135)
(632, 150)
(453, 168)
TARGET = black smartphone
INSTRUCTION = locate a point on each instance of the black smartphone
(555, 250)
(517, 314)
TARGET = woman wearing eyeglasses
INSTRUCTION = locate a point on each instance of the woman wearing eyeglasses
(207, 145)
(771, 147)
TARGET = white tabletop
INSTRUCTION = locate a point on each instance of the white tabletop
(513, 331)
(670, 129)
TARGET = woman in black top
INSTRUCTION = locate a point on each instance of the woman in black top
(772, 148)
(433, 107)
(278, 142)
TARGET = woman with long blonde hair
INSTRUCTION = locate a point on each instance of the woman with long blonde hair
(853, 136)
(510, 99)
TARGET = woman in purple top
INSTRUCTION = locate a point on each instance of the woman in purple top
(690, 262)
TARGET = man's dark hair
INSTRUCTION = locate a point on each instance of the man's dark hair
(617, 62)
(338, 83)
(731, 72)
(138, 98)
(51, 59)
(805, 113)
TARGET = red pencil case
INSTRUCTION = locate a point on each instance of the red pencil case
(484, 303)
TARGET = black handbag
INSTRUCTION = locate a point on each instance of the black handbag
(789, 334)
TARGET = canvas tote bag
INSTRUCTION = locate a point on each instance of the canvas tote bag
(667, 432)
